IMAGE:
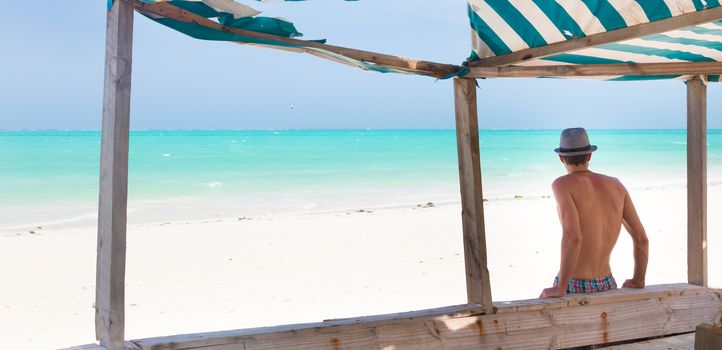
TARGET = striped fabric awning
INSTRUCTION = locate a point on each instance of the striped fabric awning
(642, 39)
(210, 20)
(501, 27)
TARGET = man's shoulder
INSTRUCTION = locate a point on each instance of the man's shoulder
(611, 184)
(568, 180)
(562, 181)
(609, 179)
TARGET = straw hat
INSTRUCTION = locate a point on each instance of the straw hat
(574, 142)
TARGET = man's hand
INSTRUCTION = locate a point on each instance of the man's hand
(553, 292)
(631, 283)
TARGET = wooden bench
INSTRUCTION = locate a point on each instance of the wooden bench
(556, 323)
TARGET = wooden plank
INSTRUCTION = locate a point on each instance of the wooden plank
(592, 70)
(708, 337)
(697, 182)
(446, 311)
(478, 288)
(112, 207)
(603, 320)
(675, 342)
(86, 347)
(613, 36)
(438, 70)
(616, 295)
(128, 346)
(394, 319)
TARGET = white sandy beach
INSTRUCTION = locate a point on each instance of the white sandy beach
(226, 273)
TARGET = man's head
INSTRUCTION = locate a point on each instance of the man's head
(576, 160)
(574, 148)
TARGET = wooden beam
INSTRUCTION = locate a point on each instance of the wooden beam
(438, 70)
(591, 70)
(478, 288)
(604, 317)
(697, 181)
(128, 346)
(110, 269)
(612, 296)
(86, 347)
(656, 27)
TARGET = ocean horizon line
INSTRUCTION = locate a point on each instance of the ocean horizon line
(352, 129)
(56, 172)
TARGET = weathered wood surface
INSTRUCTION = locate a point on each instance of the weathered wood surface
(606, 317)
(612, 296)
(697, 182)
(438, 70)
(444, 312)
(674, 342)
(110, 269)
(708, 337)
(478, 288)
(592, 70)
(86, 347)
(128, 346)
(613, 36)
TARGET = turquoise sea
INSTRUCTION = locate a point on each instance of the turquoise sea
(52, 175)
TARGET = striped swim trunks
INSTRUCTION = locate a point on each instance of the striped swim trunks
(589, 286)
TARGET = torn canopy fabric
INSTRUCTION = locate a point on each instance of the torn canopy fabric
(500, 27)
(232, 14)
(236, 15)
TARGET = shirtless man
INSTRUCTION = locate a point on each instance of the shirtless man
(592, 209)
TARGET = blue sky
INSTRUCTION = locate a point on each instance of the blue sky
(51, 75)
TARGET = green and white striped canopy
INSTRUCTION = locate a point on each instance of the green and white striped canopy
(500, 27)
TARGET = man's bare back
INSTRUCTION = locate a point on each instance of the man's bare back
(597, 201)
(592, 209)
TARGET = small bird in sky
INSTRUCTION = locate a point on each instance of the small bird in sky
(290, 105)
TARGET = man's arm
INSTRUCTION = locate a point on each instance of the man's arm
(571, 239)
(634, 226)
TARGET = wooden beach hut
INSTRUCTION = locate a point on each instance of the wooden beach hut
(606, 40)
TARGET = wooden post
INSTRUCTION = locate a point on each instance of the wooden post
(708, 337)
(110, 269)
(472, 211)
(697, 181)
